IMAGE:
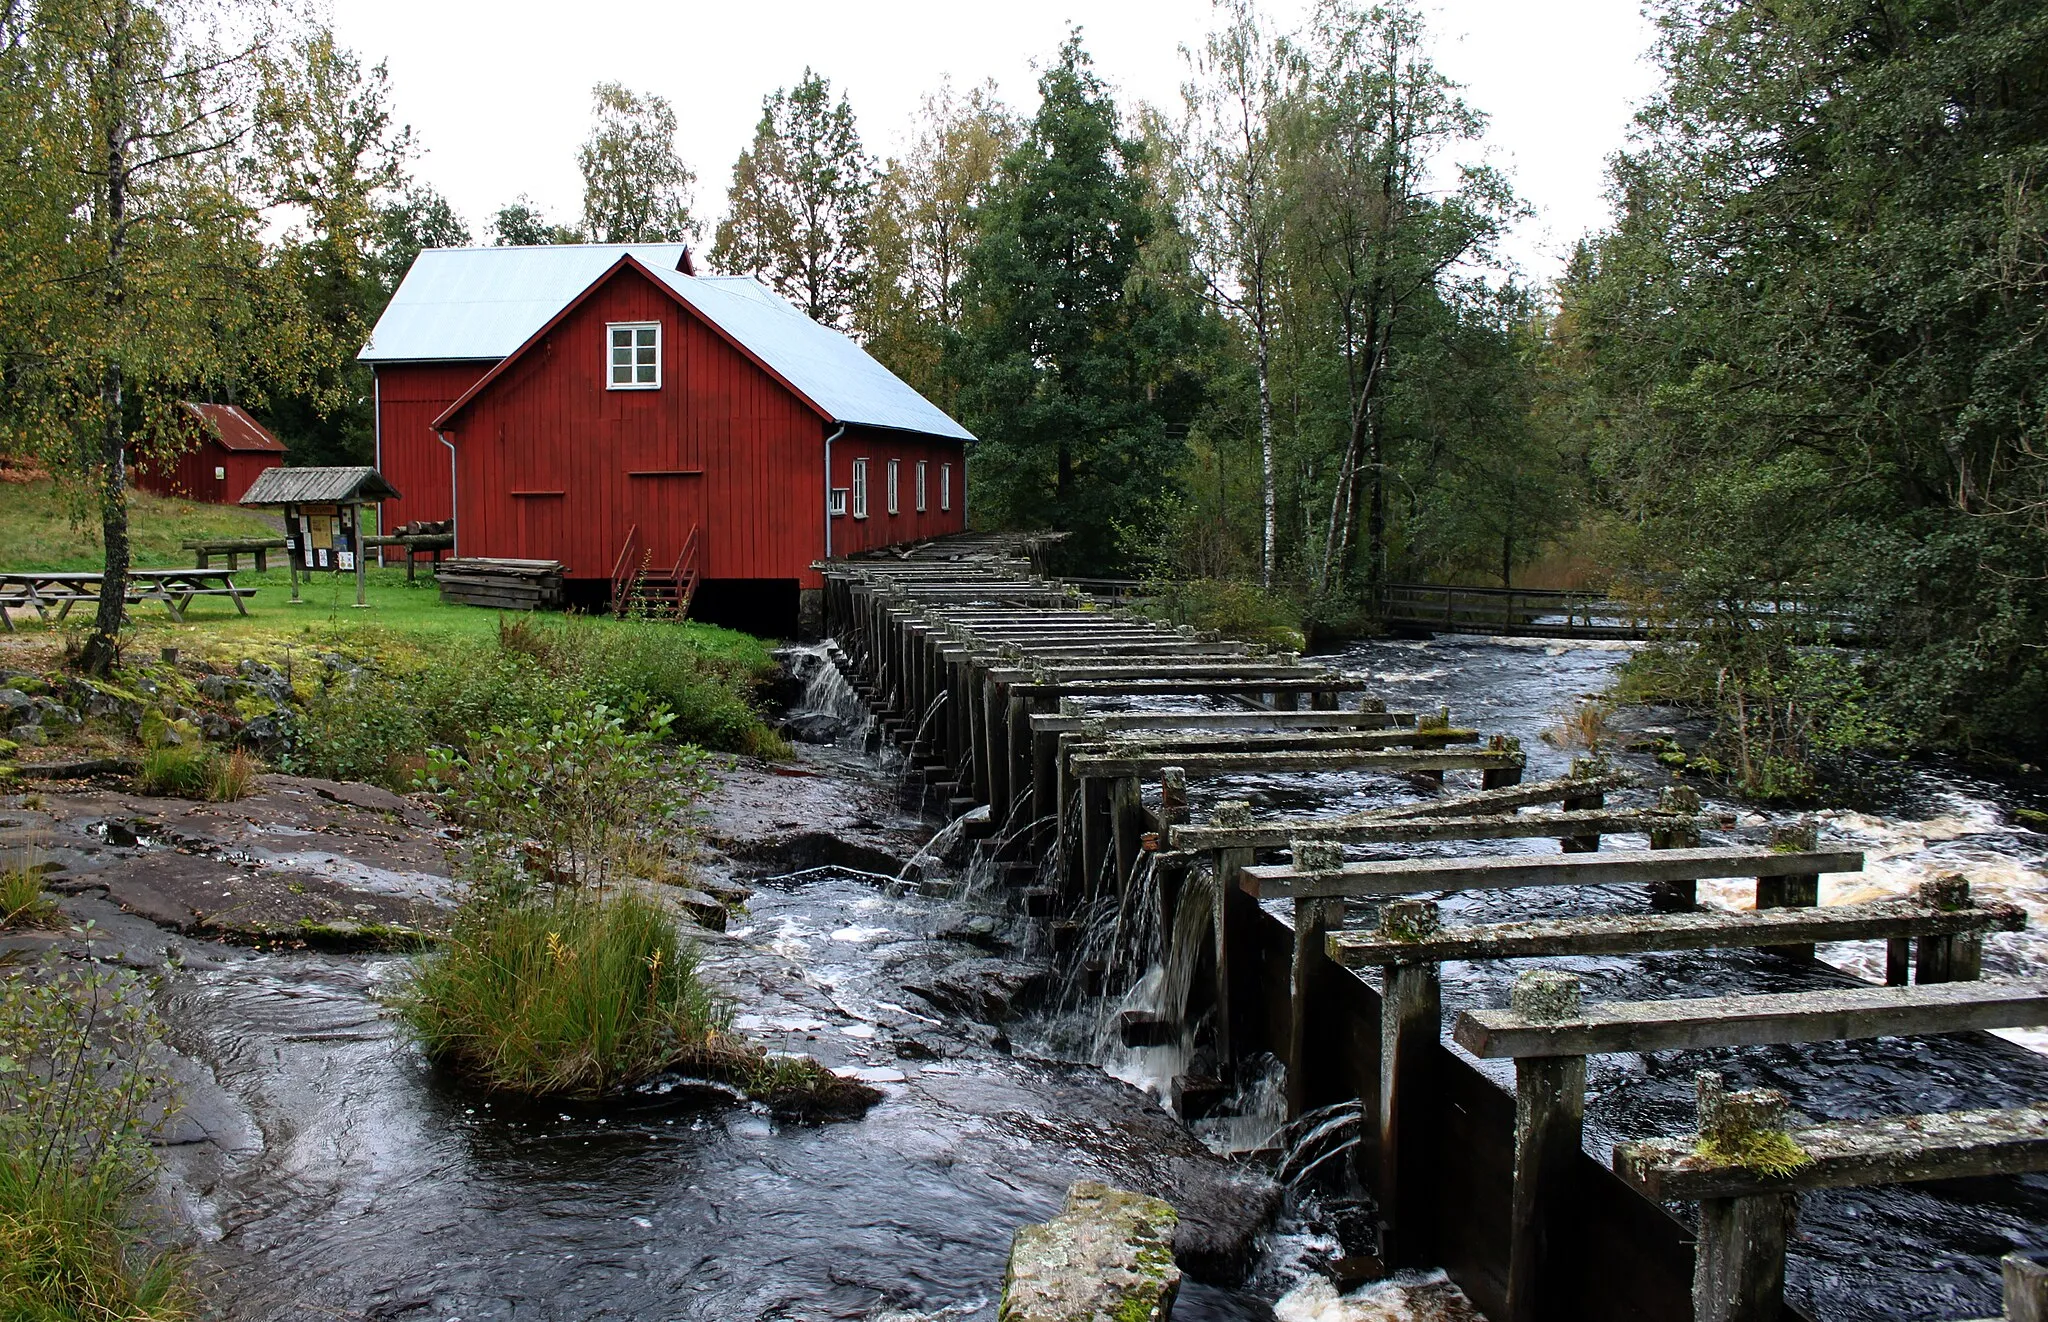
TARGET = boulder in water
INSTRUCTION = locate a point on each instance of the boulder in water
(1107, 1257)
(813, 727)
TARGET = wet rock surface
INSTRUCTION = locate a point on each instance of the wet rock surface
(1107, 1257)
(329, 1170)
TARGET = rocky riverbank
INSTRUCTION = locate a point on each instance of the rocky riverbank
(319, 1163)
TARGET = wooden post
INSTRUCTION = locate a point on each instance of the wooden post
(2026, 1287)
(294, 537)
(1739, 1264)
(1233, 980)
(1173, 798)
(262, 560)
(1947, 958)
(1307, 1051)
(1127, 827)
(1584, 767)
(1498, 777)
(362, 556)
(1550, 1123)
(1676, 896)
(1411, 1022)
(1898, 961)
(1095, 835)
(1796, 892)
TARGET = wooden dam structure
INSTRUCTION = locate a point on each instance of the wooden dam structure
(1081, 727)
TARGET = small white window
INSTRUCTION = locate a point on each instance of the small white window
(635, 362)
(945, 486)
(838, 506)
(893, 506)
(920, 486)
(860, 488)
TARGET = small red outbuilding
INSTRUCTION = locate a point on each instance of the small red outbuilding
(229, 450)
(648, 417)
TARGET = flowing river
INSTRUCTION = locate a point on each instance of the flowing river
(346, 1178)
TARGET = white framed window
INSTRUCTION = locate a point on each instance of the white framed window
(920, 486)
(633, 358)
(893, 505)
(860, 488)
(945, 486)
(838, 505)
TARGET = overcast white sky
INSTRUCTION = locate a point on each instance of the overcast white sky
(499, 93)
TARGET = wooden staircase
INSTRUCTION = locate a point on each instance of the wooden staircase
(639, 587)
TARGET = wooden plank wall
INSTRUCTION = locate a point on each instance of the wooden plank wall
(409, 397)
(552, 465)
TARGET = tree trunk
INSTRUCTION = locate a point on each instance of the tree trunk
(103, 647)
(1266, 454)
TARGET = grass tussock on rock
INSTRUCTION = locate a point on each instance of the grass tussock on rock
(580, 994)
(566, 974)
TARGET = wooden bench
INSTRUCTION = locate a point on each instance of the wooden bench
(205, 548)
(1549, 1035)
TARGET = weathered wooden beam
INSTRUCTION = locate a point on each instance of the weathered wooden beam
(1630, 934)
(1900, 1149)
(1615, 867)
(2026, 1287)
(1279, 760)
(1505, 799)
(1131, 745)
(1221, 720)
(1359, 830)
(1729, 1021)
(1192, 686)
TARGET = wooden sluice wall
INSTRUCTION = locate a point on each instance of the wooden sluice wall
(1008, 690)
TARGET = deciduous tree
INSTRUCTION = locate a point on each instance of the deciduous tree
(636, 188)
(799, 204)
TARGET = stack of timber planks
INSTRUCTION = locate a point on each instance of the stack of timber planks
(517, 585)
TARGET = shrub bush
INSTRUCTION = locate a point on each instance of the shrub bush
(77, 1093)
(574, 789)
(1232, 608)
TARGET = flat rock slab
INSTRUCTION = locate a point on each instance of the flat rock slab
(1107, 1258)
(213, 897)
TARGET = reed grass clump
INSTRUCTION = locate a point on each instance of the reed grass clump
(181, 771)
(22, 901)
(561, 993)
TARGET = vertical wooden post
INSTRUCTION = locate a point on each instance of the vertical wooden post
(1794, 892)
(1586, 768)
(2026, 1288)
(1676, 896)
(995, 727)
(1948, 958)
(1173, 811)
(1493, 777)
(1550, 1124)
(1233, 977)
(1739, 1264)
(1898, 961)
(1309, 1054)
(1173, 801)
(362, 554)
(1095, 835)
(1411, 1023)
(1127, 827)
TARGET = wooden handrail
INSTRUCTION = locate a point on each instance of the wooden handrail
(622, 570)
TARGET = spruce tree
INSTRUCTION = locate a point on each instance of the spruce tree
(1074, 331)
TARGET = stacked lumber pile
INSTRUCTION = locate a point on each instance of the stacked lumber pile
(517, 585)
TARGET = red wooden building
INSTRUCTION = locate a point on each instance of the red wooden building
(229, 449)
(596, 405)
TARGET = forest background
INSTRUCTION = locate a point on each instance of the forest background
(1261, 344)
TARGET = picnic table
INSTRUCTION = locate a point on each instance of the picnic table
(41, 590)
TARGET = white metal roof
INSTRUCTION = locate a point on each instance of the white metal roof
(828, 368)
(483, 303)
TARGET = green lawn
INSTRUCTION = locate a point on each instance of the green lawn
(38, 529)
